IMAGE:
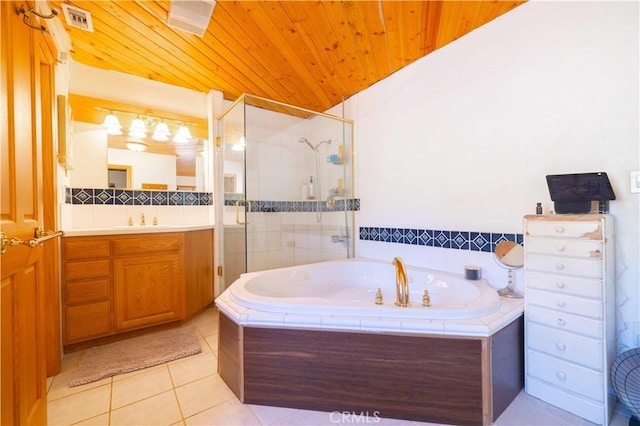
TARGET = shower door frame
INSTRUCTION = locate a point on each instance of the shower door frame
(347, 140)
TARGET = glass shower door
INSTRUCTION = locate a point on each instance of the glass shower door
(288, 197)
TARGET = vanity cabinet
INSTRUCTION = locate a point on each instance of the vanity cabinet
(148, 280)
(117, 283)
(570, 312)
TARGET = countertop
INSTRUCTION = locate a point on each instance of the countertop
(134, 229)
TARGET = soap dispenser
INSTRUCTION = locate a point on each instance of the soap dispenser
(310, 190)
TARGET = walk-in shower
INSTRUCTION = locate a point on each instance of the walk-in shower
(318, 179)
(263, 213)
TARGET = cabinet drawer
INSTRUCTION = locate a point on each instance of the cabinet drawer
(566, 375)
(87, 269)
(85, 248)
(86, 291)
(564, 265)
(584, 287)
(565, 303)
(566, 322)
(88, 321)
(571, 347)
(591, 249)
(156, 243)
(591, 229)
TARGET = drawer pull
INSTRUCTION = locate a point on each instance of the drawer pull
(560, 321)
(559, 229)
(560, 247)
(560, 304)
(560, 284)
(561, 346)
(559, 266)
(561, 375)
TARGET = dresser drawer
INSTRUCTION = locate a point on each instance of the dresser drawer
(565, 303)
(591, 229)
(87, 269)
(584, 287)
(84, 291)
(591, 249)
(568, 346)
(83, 248)
(566, 375)
(564, 265)
(151, 243)
(566, 322)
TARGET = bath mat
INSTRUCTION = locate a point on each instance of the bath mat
(135, 354)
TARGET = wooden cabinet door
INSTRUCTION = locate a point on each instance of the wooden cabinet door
(148, 290)
(27, 282)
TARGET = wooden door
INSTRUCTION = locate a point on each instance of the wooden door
(28, 279)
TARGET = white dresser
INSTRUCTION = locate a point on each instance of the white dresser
(570, 312)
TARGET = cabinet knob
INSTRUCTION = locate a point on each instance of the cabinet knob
(560, 321)
(560, 304)
(560, 247)
(559, 229)
(559, 266)
(560, 284)
(561, 375)
(561, 346)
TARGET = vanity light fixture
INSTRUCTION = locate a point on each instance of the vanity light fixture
(161, 133)
(136, 145)
(138, 129)
(183, 135)
(112, 124)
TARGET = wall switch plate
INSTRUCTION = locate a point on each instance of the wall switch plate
(635, 181)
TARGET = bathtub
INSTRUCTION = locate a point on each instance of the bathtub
(311, 337)
(348, 287)
(341, 295)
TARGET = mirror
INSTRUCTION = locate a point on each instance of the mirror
(509, 255)
(158, 164)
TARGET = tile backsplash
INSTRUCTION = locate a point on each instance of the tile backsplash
(460, 240)
(135, 197)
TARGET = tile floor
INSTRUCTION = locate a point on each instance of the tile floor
(189, 392)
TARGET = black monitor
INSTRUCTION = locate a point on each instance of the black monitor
(580, 187)
(575, 193)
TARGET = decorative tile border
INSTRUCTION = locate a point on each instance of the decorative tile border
(459, 240)
(349, 204)
(128, 197)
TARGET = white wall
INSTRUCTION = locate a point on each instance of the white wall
(463, 138)
(146, 167)
(90, 156)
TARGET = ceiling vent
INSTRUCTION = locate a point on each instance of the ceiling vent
(191, 16)
(77, 17)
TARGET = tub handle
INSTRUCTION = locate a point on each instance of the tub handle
(246, 203)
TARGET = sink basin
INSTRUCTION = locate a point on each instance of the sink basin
(143, 226)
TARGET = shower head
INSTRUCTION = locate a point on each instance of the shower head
(315, 148)
(305, 140)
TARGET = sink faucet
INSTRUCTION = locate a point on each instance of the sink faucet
(142, 220)
(402, 284)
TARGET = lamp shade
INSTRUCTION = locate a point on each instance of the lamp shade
(183, 135)
(112, 124)
(161, 132)
(138, 129)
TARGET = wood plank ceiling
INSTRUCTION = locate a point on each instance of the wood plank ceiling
(310, 54)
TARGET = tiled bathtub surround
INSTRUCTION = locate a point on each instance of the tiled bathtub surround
(460, 240)
(101, 196)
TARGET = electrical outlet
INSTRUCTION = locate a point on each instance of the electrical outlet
(634, 181)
